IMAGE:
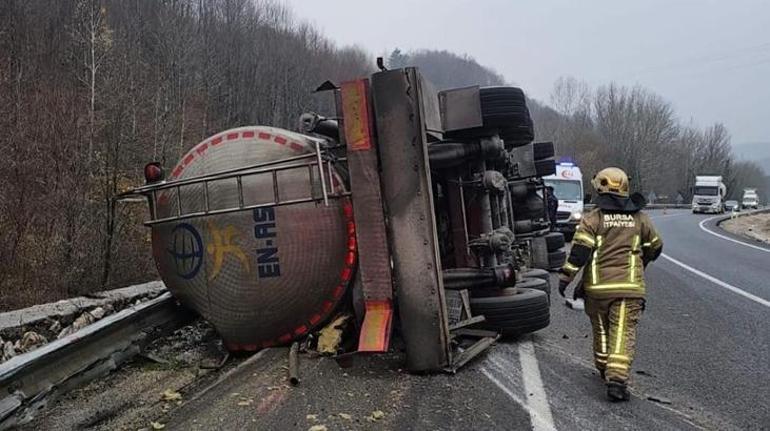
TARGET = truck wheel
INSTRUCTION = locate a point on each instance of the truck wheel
(539, 253)
(532, 207)
(537, 283)
(543, 150)
(537, 273)
(554, 241)
(521, 189)
(513, 311)
(556, 259)
(504, 111)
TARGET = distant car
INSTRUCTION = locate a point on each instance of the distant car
(732, 206)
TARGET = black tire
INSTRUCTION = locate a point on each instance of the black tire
(532, 207)
(556, 259)
(554, 241)
(529, 225)
(503, 112)
(514, 311)
(521, 189)
(543, 150)
(569, 235)
(537, 283)
(545, 167)
(539, 274)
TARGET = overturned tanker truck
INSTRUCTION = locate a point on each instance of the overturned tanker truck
(419, 210)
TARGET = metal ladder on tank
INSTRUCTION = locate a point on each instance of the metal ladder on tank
(314, 162)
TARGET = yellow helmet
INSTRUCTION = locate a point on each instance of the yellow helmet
(612, 181)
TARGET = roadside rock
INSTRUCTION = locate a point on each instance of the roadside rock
(31, 340)
(8, 351)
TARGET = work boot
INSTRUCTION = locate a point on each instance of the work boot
(601, 374)
(617, 391)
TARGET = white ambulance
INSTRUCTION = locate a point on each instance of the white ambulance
(567, 185)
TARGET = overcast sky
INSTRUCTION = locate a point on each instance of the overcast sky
(710, 58)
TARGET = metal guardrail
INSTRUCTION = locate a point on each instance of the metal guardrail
(29, 381)
(651, 206)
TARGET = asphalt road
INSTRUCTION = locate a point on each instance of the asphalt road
(702, 351)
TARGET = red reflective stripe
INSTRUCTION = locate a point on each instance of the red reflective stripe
(346, 273)
(326, 306)
(263, 135)
(296, 147)
(231, 136)
(248, 134)
(216, 141)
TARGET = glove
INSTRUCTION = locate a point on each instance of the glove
(563, 286)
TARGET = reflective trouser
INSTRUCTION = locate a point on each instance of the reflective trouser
(614, 328)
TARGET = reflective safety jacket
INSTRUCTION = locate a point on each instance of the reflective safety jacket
(614, 247)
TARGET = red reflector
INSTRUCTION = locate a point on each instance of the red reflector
(153, 172)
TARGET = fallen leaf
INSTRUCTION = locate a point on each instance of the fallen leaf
(346, 416)
(170, 395)
(157, 425)
(317, 428)
(377, 415)
(311, 418)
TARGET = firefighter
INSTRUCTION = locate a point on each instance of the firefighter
(613, 243)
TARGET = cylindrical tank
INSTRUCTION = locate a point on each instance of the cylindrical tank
(266, 275)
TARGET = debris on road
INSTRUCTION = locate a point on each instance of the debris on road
(170, 395)
(330, 337)
(657, 399)
(294, 364)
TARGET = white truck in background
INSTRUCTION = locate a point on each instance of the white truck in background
(750, 199)
(567, 185)
(709, 194)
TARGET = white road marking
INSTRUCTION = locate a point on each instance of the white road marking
(542, 419)
(503, 368)
(536, 403)
(703, 227)
(719, 282)
(677, 214)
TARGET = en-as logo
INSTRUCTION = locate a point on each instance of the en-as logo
(222, 245)
(268, 264)
(186, 249)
